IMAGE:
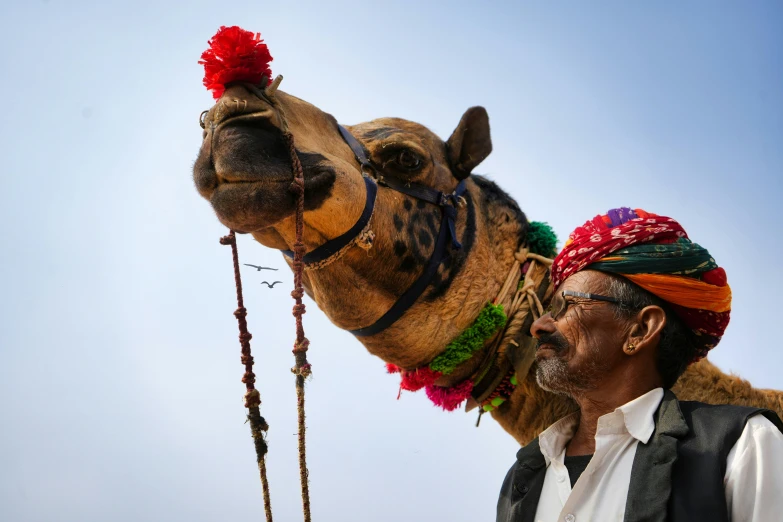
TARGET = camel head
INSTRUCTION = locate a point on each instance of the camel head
(244, 167)
(244, 170)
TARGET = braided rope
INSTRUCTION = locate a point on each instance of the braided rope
(524, 295)
(258, 426)
(517, 300)
(302, 368)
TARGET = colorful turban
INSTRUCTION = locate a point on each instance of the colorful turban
(655, 253)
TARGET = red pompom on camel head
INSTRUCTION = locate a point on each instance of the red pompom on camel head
(235, 55)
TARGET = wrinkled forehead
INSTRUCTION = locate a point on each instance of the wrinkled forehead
(384, 131)
(588, 281)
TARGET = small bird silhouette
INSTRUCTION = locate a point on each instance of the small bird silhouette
(259, 268)
(270, 285)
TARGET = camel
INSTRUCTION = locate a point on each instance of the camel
(244, 170)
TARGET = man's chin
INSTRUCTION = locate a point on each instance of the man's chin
(551, 375)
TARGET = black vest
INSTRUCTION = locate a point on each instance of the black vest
(677, 476)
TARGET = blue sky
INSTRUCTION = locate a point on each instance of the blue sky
(119, 368)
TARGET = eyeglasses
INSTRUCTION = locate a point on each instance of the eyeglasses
(559, 304)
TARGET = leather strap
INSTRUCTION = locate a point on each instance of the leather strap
(448, 204)
(333, 246)
(356, 147)
(410, 296)
(439, 254)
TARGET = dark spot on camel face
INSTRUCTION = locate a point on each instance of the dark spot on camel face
(425, 238)
(431, 222)
(407, 204)
(415, 241)
(408, 264)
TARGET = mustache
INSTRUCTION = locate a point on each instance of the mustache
(555, 340)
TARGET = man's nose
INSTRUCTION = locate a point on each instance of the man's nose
(543, 325)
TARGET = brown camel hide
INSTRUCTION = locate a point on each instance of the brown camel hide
(243, 169)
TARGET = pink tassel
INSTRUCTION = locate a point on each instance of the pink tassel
(418, 379)
(450, 398)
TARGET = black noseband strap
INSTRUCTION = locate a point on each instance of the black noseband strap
(333, 246)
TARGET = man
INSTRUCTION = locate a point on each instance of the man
(635, 302)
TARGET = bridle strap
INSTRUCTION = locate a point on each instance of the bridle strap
(410, 296)
(448, 204)
(357, 149)
(333, 246)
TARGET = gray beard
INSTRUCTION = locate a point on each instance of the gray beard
(553, 375)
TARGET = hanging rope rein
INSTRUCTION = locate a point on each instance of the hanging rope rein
(302, 368)
(258, 426)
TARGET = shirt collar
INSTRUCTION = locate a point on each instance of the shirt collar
(635, 417)
(639, 414)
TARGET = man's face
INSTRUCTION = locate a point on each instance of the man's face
(583, 344)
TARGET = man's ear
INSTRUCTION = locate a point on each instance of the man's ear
(646, 332)
(470, 143)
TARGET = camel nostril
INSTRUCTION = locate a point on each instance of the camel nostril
(239, 101)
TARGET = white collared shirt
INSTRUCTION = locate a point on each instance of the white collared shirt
(754, 487)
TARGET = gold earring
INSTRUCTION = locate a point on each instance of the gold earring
(631, 347)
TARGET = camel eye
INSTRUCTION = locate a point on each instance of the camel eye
(408, 160)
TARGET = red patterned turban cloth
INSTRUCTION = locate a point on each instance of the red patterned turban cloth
(653, 252)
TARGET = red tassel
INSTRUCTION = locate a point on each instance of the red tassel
(418, 379)
(235, 55)
(450, 398)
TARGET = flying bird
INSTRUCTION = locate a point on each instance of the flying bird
(270, 285)
(259, 268)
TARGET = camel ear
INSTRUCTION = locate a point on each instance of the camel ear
(470, 143)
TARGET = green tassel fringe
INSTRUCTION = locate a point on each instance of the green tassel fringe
(488, 322)
(542, 239)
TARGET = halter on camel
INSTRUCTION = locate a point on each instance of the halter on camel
(333, 248)
(238, 56)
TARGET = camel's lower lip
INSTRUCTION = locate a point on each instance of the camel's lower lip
(237, 178)
(250, 181)
(250, 205)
